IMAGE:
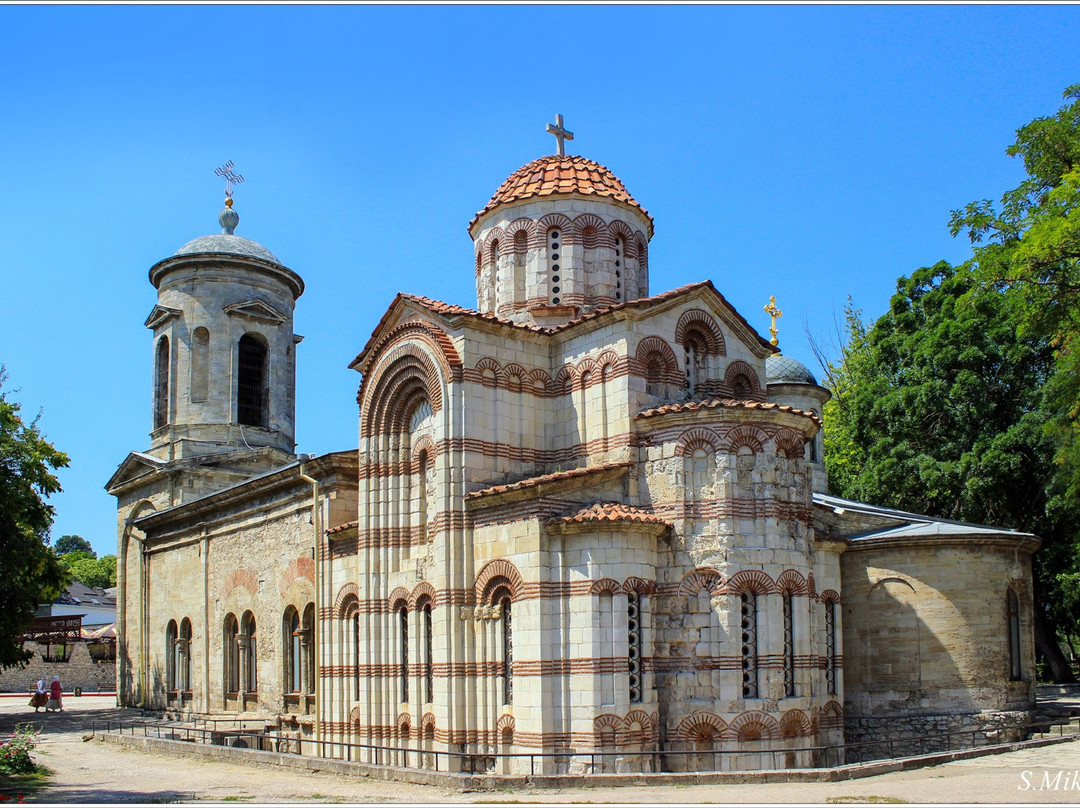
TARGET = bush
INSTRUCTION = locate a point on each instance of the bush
(15, 750)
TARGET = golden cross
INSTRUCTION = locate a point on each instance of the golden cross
(773, 312)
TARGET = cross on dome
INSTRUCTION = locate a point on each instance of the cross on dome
(773, 312)
(560, 133)
(231, 178)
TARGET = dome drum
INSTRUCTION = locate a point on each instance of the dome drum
(575, 244)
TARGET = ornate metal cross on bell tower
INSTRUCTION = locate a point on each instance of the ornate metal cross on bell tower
(560, 133)
(231, 178)
(773, 312)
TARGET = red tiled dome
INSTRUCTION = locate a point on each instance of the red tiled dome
(560, 175)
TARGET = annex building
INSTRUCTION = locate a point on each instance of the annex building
(581, 517)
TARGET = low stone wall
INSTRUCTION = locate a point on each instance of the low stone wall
(902, 736)
(79, 671)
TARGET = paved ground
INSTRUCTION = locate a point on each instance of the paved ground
(94, 772)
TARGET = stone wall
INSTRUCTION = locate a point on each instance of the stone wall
(925, 636)
(79, 671)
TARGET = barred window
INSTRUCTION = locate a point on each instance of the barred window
(403, 654)
(508, 651)
(251, 390)
(634, 644)
(830, 647)
(429, 656)
(789, 648)
(749, 645)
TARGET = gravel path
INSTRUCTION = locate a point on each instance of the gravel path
(95, 772)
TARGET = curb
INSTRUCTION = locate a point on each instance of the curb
(466, 783)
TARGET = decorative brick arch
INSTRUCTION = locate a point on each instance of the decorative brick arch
(493, 235)
(790, 444)
(494, 573)
(566, 379)
(242, 578)
(830, 596)
(746, 436)
(832, 716)
(620, 229)
(486, 365)
(641, 248)
(397, 598)
(702, 324)
(540, 377)
(641, 720)
(608, 721)
(506, 724)
(753, 725)
(791, 582)
(511, 372)
(698, 438)
(608, 361)
(406, 376)
(404, 724)
(555, 221)
(734, 371)
(655, 350)
(420, 591)
(347, 602)
(522, 225)
(756, 581)
(795, 724)
(702, 578)
(605, 586)
(591, 231)
(355, 715)
(425, 444)
(585, 366)
(701, 727)
(427, 724)
(639, 585)
(303, 567)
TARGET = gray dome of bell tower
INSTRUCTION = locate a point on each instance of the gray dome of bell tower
(224, 374)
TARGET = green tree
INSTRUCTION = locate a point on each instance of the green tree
(69, 543)
(963, 400)
(939, 407)
(32, 572)
(1029, 245)
(95, 572)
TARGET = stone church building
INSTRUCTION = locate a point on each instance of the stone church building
(581, 518)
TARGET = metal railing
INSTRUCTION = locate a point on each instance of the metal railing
(254, 734)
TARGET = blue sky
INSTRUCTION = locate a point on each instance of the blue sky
(812, 153)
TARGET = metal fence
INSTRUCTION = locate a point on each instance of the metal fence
(253, 734)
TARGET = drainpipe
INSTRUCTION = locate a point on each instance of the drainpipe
(316, 522)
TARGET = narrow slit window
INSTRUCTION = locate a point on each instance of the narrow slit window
(749, 645)
(161, 384)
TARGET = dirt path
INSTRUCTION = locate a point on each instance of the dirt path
(95, 772)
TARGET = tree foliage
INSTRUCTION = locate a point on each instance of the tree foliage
(32, 572)
(91, 571)
(963, 400)
(70, 543)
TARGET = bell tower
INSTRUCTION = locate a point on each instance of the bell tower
(224, 360)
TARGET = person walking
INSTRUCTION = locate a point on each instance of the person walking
(41, 695)
(56, 690)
